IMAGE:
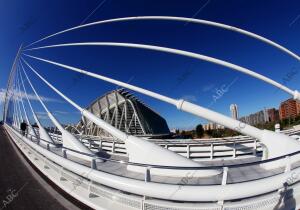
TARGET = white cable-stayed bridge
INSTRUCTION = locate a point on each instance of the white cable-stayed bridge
(131, 172)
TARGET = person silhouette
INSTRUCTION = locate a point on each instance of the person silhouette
(24, 128)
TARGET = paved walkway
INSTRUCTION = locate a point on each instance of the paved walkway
(19, 189)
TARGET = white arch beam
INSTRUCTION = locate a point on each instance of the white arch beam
(16, 104)
(31, 130)
(22, 102)
(43, 133)
(295, 93)
(284, 144)
(139, 150)
(18, 98)
(9, 83)
(182, 19)
(69, 140)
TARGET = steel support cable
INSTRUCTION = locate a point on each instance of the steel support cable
(109, 128)
(12, 99)
(68, 138)
(178, 52)
(29, 103)
(18, 97)
(52, 118)
(22, 102)
(182, 19)
(107, 79)
(10, 78)
(16, 111)
(136, 147)
(180, 104)
(15, 119)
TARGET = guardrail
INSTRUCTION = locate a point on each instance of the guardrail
(208, 149)
(95, 157)
(195, 150)
(184, 191)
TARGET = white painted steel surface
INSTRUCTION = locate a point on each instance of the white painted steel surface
(170, 180)
(164, 191)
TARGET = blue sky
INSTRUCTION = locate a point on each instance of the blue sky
(176, 76)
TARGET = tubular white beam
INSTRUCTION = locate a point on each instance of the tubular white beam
(139, 150)
(284, 143)
(69, 140)
(19, 109)
(182, 19)
(295, 94)
(42, 132)
(22, 102)
(16, 119)
(18, 98)
(9, 83)
(123, 84)
(16, 110)
(31, 131)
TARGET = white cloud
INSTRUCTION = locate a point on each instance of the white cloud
(22, 95)
(56, 112)
(43, 116)
(61, 112)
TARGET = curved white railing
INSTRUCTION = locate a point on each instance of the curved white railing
(223, 190)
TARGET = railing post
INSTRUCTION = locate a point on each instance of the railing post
(100, 145)
(224, 182)
(265, 152)
(211, 151)
(288, 164)
(113, 148)
(234, 150)
(64, 151)
(225, 173)
(188, 151)
(48, 146)
(254, 147)
(147, 174)
(93, 164)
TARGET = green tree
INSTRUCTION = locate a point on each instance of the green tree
(199, 131)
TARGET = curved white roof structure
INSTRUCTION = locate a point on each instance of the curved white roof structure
(125, 112)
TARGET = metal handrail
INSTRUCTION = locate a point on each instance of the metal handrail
(95, 157)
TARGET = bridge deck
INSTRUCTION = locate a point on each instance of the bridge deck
(235, 175)
(18, 188)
